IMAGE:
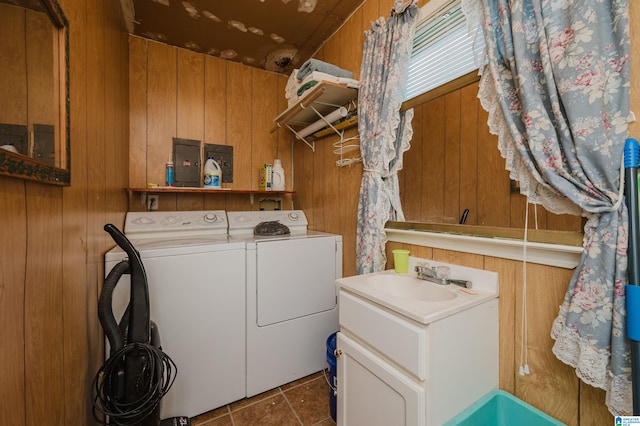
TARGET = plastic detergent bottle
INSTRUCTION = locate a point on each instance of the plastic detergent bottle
(212, 174)
(278, 176)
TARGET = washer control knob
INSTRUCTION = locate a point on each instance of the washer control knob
(293, 216)
(210, 218)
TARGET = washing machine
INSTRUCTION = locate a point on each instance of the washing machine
(291, 296)
(196, 280)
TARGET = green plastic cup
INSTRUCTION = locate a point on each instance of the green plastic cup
(401, 261)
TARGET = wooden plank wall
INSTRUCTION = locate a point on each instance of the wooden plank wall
(454, 164)
(176, 93)
(51, 256)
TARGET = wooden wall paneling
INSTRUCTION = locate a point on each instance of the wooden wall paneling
(370, 12)
(452, 210)
(215, 98)
(320, 190)
(593, 410)
(83, 347)
(263, 143)
(215, 202)
(189, 201)
(493, 180)
(518, 210)
(469, 151)
(12, 301)
(350, 180)
(13, 59)
(190, 95)
(350, 38)
(563, 222)
(138, 74)
(550, 380)
(421, 252)
(215, 115)
(331, 201)
(239, 202)
(161, 109)
(298, 174)
(115, 107)
(239, 129)
(469, 260)
(411, 188)
(506, 270)
(190, 112)
(96, 150)
(385, 7)
(306, 182)
(433, 160)
(43, 321)
(41, 98)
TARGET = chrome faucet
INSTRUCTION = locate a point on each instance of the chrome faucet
(439, 275)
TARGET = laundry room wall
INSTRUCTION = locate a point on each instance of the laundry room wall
(177, 93)
(51, 256)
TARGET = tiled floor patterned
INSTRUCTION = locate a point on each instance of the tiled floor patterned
(304, 402)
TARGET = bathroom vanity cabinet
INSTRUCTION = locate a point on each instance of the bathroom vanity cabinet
(396, 370)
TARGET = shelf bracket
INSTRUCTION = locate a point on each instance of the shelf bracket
(323, 118)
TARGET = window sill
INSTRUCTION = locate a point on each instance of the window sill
(505, 247)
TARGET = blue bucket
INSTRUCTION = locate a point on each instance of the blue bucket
(333, 382)
(500, 408)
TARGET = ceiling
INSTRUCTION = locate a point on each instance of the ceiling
(277, 35)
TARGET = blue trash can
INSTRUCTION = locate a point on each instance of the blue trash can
(333, 381)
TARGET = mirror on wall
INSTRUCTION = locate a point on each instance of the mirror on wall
(34, 112)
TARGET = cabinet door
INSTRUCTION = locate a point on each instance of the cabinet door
(372, 392)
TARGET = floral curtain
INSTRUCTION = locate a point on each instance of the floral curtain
(385, 132)
(556, 85)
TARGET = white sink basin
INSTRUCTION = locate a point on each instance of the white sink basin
(421, 300)
(409, 288)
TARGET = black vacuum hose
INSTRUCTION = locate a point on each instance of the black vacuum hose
(105, 310)
(158, 376)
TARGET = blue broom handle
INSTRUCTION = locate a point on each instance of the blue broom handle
(632, 290)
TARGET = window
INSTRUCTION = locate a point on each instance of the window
(442, 48)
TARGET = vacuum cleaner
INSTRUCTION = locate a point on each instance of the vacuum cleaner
(129, 387)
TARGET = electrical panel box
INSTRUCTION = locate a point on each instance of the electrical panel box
(16, 135)
(223, 155)
(186, 162)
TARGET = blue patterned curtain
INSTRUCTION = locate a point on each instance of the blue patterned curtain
(556, 85)
(384, 131)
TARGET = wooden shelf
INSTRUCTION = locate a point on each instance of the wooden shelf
(193, 190)
(321, 100)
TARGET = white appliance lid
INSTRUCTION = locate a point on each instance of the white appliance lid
(243, 222)
(166, 246)
(176, 223)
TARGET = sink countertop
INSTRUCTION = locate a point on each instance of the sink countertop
(485, 284)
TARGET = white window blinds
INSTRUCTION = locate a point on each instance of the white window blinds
(442, 51)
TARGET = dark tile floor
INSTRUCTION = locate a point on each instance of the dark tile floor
(303, 402)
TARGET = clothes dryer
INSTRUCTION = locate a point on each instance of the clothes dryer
(196, 280)
(291, 296)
